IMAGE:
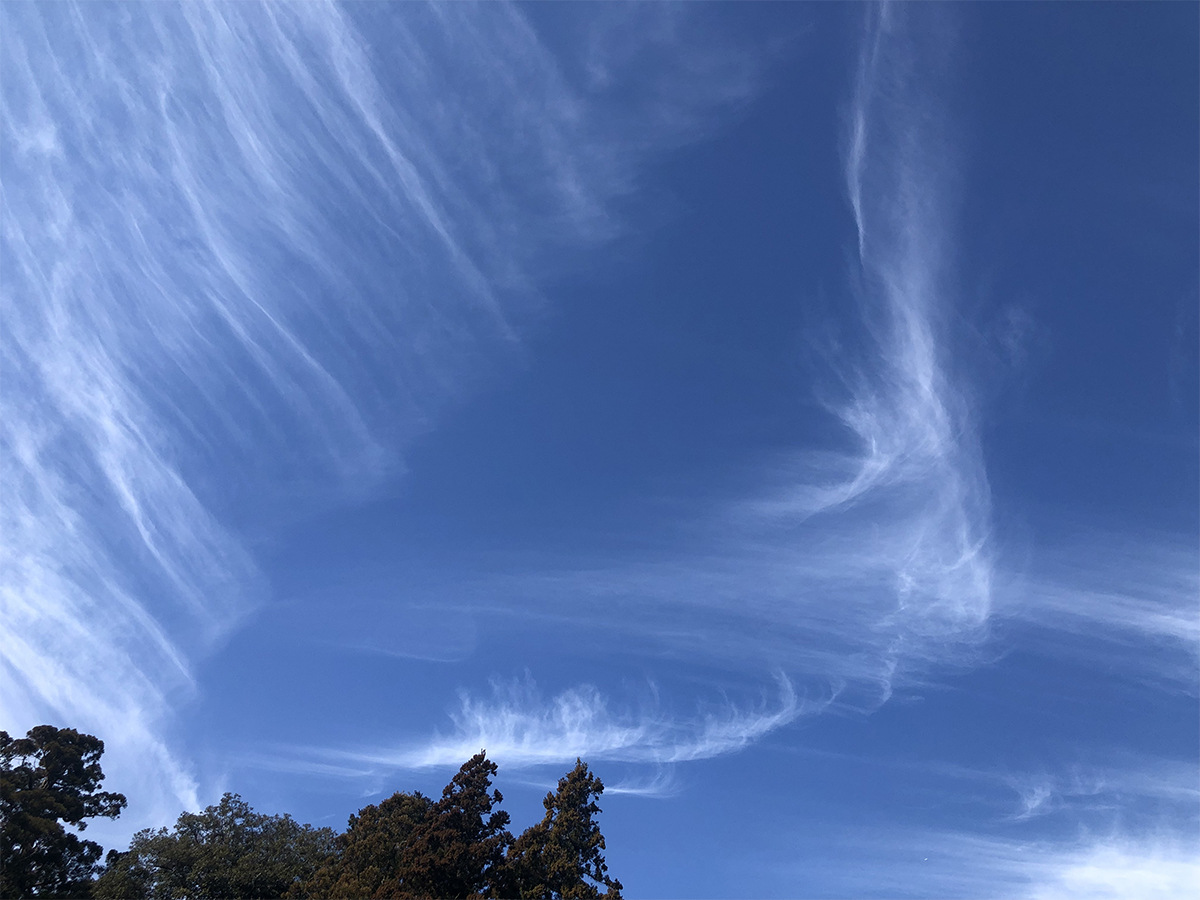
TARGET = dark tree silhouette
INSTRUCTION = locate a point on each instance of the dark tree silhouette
(562, 857)
(410, 846)
(457, 850)
(49, 777)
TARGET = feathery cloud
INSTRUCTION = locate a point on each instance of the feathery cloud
(520, 728)
(249, 252)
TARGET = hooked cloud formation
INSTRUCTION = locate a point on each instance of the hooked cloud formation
(518, 728)
(874, 560)
(871, 559)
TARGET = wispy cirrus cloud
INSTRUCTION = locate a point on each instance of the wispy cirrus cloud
(912, 490)
(1107, 825)
(1162, 866)
(249, 252)
(1133, 600)
(1171, 782)
(875, 559)
(1124, 826)
(1099, 790)
(1118, 867)
(520, 728)
(871, 558)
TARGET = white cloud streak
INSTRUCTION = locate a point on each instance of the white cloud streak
(1171, 783)
(1115, 866)
(1127, 787)
(917, 447)
(1133, 602)
(248, 252)
(520, 728)
(1135, 869)
(1122, 827)
(870, 564)
(869, 561)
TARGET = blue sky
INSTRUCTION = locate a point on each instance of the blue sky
(790, 409)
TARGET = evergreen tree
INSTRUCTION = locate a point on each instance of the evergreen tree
(562, 857)
(406, 847)
(227, 851)
(457, 850)
(371, 854)
(410, 846)
(49, 777)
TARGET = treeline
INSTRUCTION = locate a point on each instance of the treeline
(407, 846)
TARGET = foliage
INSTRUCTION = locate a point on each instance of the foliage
(457, 850)
(49, 777)
(562, 857)
(226, 851)
(410, 846)
(407, 846)
(370, 853)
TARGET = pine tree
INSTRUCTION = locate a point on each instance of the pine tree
(458, 849)
(562, 857)
(372, 852)
(409, 846)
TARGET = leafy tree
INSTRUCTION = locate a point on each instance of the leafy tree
(226, 851)
(371, 853)
(562, 857)
(49, 777)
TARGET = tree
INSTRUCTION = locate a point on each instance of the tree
(49, 777)
(371, 853)
(457, 849)
(226, 851)
(410, 846)
(562, 857)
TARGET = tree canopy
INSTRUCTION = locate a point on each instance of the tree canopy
(371, 854)
(562, 857)
(227, 851)
(50, 777)
(410, 846)
(407, 846)
(457, 850)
